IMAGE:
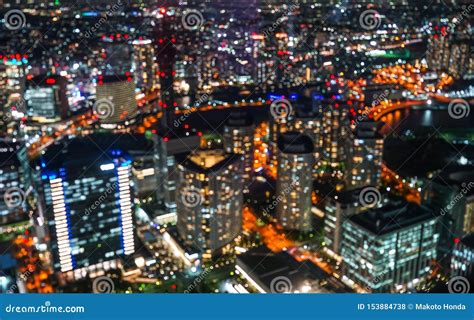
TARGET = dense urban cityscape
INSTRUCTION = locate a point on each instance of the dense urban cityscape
(250, 146)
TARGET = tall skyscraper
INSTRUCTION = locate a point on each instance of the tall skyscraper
(116, 101)
(310, 122)
(145, 66)
(365, 165)
(168, 150)
(462, 261)
(14, 181)
(88, 207)
(46, 99)
(335, 142)
(338, 209)
(238, 138)
(387, 249)
(209, 200)
(12, 86)
(294, 181)
(451, 194)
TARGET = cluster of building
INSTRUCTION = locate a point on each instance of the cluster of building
(98, 156)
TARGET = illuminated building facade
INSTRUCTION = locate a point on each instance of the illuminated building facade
(145, 66)
(210, 200)
(238, 138)
(451, 54)
(365, 165)
(167, 150)
(12, 85)
(88, 207)
(294, 181)
(310, 122)
(116, 101)
(46, 99)
(14, 181)
(335, 139)
(462, 261)
(451, 193)
(338, 209)
(386, 249)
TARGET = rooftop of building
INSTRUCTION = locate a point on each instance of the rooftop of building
(350, 196)
(307, 113)
(391, 217)
(368, 130)
(94, 150)
(468, 240)
(457, 176)
(295, 143)
(264, 266)
(239, 119)
(207, 161)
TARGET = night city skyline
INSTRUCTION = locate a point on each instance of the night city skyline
(250, 146)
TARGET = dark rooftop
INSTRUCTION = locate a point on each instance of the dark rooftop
(295, 142)
(239, 119)
(265, 266)
(392, 217)
(468, 240)
(368, 130)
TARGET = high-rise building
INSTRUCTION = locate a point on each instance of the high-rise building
(451, 195)
(209, 200)
(389, 249)
(116, 56)
(335, 139)
(14, 181)
(309, 122)
(365, 165)
(88, 207)
(116, 101)
(295, 181)
(46, 99)
(462, 261)
(279, 123)
(238, 138)
(338, 209)
(145, 66)
(169, 148)
(12, 86)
